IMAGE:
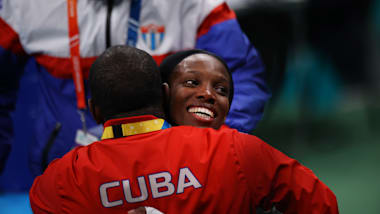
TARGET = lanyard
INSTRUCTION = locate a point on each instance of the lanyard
(75, 59)
(74, 53)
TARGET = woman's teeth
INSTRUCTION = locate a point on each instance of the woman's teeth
(202, 112)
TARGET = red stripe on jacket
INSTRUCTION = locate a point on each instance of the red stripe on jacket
(62, 68)
(9, 39)
(160, 58)
(219, 14)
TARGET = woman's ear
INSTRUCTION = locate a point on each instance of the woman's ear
(166, 90)
(95, 111)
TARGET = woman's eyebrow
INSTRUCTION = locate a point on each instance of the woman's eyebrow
(221, 77)
(192, 71)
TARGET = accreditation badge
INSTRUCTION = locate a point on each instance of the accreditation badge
(84, 138)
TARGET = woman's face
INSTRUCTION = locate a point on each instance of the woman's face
(199, 91)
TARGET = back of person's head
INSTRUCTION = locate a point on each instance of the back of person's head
(124, 79)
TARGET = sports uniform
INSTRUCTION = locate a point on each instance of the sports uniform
(42, 29)
(177, 170)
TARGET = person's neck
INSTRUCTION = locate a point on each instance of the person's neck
(155, 111)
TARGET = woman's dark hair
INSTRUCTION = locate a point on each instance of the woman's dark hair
(169, 64)
(124, 79)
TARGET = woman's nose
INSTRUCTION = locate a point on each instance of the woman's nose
(206, 93)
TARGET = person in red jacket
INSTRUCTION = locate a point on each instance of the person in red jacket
(140, 161)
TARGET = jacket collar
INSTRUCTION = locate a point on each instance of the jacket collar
(122, 127)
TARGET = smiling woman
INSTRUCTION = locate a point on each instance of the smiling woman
(198, 88)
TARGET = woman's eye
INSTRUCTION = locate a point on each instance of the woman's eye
(191, 83)
(222, 90)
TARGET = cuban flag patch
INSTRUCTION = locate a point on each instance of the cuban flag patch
(153, 35)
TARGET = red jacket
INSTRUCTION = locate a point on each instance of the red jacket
(178, 170)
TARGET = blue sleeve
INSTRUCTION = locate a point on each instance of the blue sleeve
(227, 40)
(12, 66)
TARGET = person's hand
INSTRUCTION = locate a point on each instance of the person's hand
(145, 210)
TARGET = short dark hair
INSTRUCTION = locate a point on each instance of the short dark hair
(169, 64)
(123, 79)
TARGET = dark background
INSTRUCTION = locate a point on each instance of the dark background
(322, 60)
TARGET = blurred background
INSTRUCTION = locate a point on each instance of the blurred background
(322, 59)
